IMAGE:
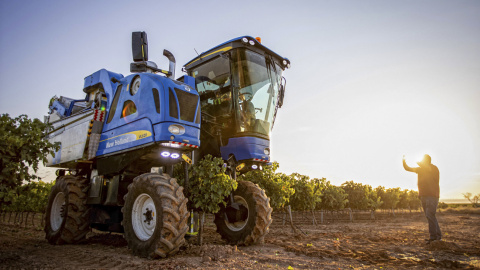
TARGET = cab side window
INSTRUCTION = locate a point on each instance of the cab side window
(212, 81)
(113, 108)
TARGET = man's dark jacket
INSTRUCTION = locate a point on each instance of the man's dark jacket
(428, 179)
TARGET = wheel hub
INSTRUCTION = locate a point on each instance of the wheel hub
(236, 213)
(143, 217)
(235, 219)
(148, 216)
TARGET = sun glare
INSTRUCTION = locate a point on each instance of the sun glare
(414, 158)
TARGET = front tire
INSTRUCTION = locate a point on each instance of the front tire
(155, 216)
(66, 221)
(253, 229)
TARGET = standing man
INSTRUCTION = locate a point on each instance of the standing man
(429, 192)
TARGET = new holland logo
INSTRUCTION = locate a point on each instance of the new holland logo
(126, 138)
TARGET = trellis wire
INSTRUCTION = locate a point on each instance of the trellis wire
(25, 219)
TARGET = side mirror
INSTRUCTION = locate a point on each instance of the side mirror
(139, 46)
(281, 95)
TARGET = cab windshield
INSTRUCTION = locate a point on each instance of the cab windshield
(256, 82)
(239, 88)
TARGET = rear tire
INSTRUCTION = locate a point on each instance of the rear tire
(255, 227)
(155, 216)
(66, 221)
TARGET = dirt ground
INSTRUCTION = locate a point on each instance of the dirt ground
(388, 243)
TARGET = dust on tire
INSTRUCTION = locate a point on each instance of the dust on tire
(259, 217)
(75, 223)
(171, 217)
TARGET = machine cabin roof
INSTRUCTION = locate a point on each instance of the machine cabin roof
(237, 43)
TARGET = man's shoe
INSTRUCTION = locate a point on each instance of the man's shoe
(433, 241)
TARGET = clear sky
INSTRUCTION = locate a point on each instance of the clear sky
(370, 80)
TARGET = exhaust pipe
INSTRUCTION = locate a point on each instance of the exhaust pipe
(171, 66)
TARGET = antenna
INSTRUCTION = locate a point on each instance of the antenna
(198, 53)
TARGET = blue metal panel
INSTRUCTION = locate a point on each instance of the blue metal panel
(191, 135)
(72, 103)
(169, 88)
(189, 80)
(146, 124)
(58, 107)
(93, 79)
(144, 101)
(104, 77)
(245, 148)
(127, 136)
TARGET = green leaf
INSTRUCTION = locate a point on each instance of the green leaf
(23, 144)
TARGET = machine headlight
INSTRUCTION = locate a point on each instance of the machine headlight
(165, 154)
(245, 40)
(176, 129)
(251, 42)
(254, 166)
(266, 151)
(285, 62)
(175, 155)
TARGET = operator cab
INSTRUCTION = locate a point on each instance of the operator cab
(240, 87)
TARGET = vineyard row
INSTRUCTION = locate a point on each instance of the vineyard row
(36, 219)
